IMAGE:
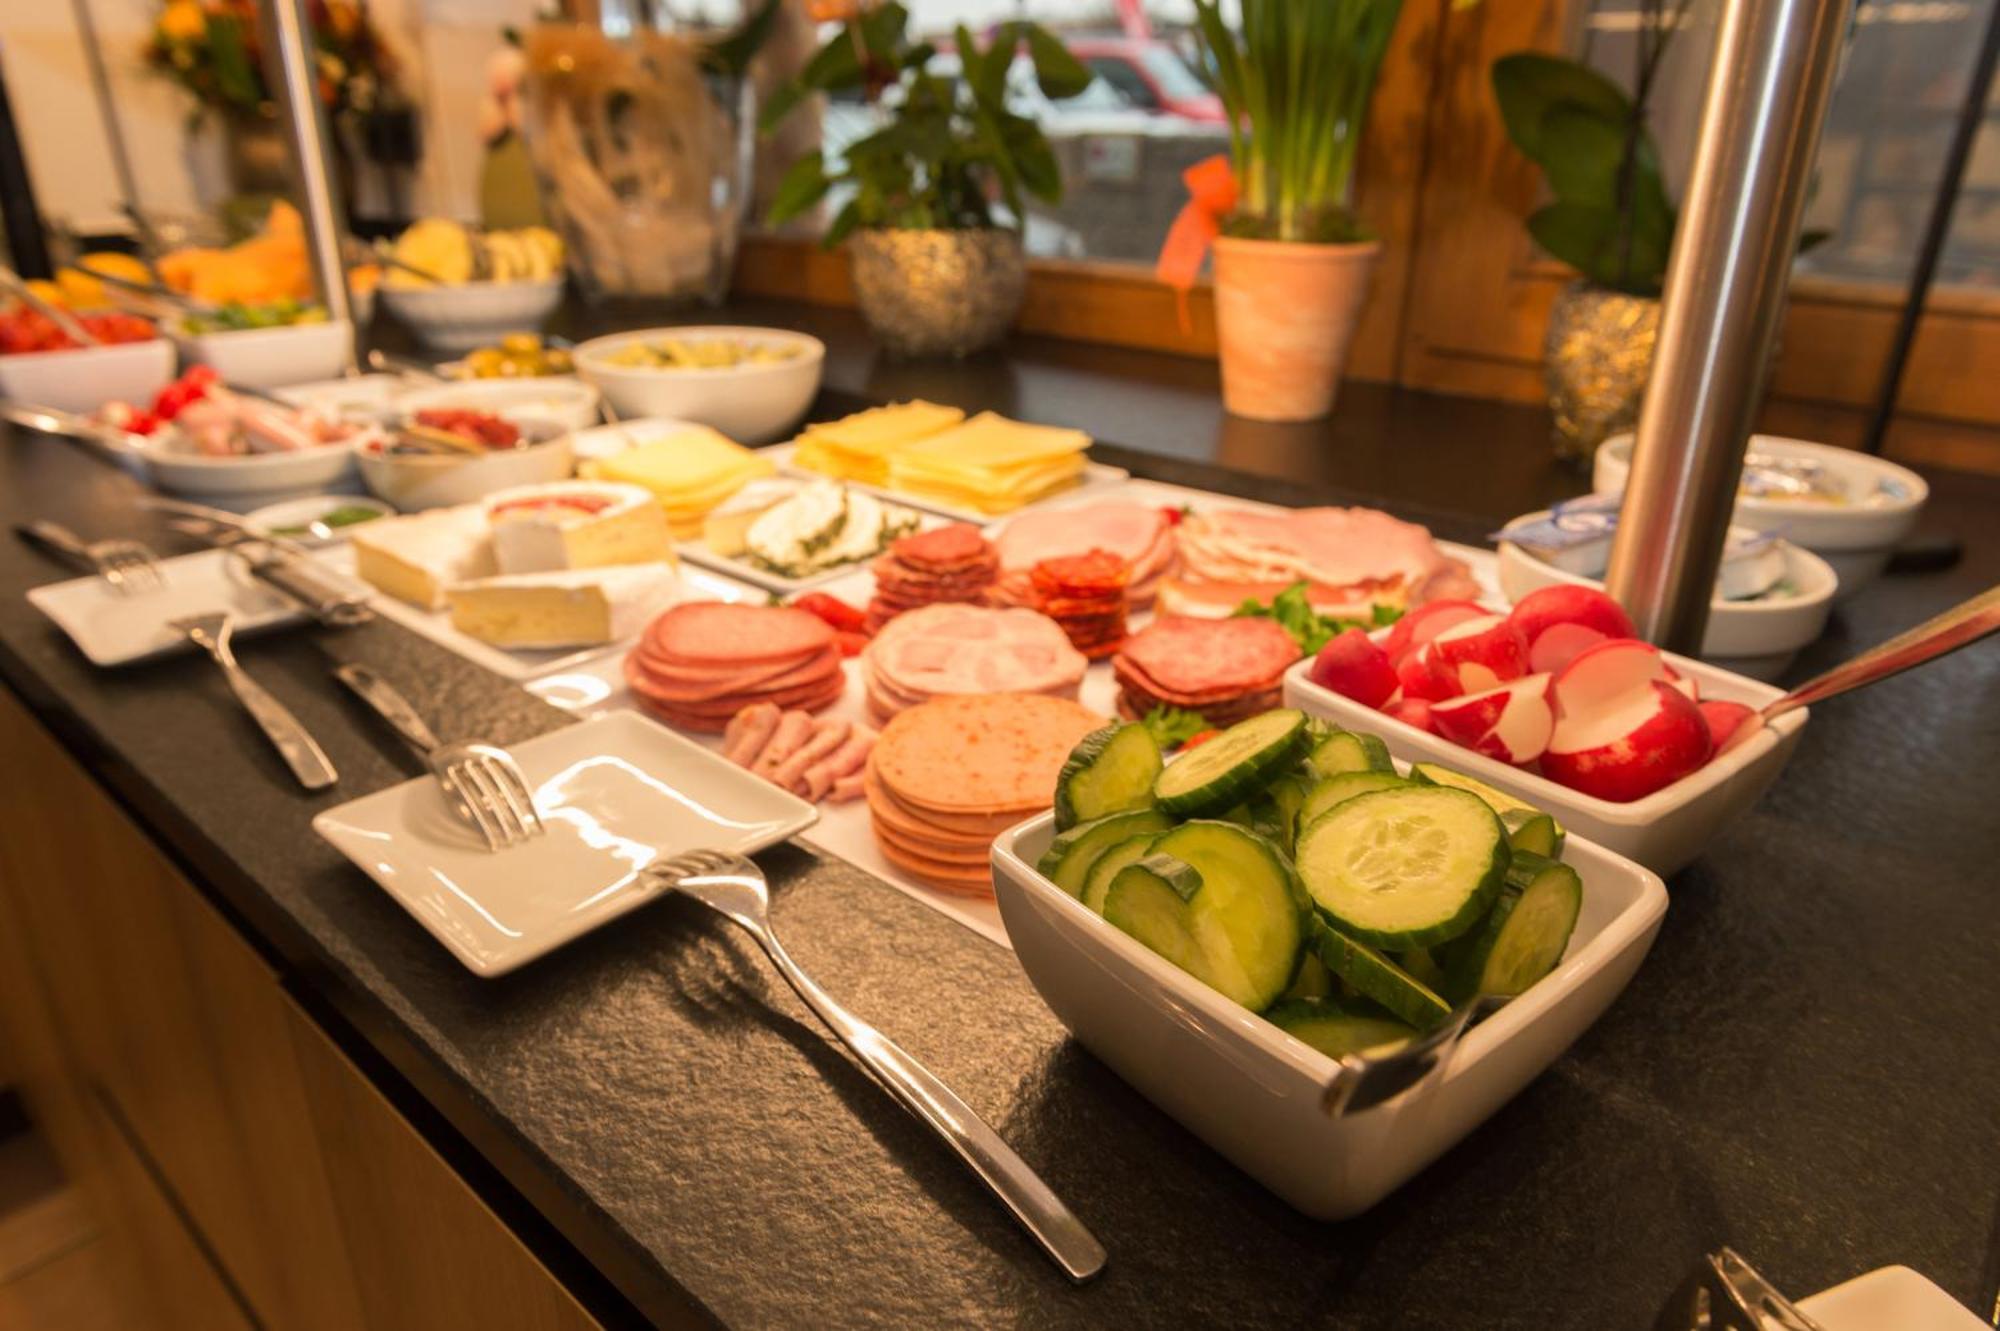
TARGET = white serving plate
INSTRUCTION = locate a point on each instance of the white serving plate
(1855, 539)
(468, 315)
(82, 379)
(273, 357)
(697, 552)
(368, 397)
(752, 404)
(115, 630)
(1096, 476)
(308, 508)
(1663, 831)
(617, 793)
(1894, 1298)
(1755, 638)
(1254, 1093)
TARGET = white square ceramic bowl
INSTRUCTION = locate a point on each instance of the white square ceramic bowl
(1663, 831)
(82, 379)
(1254, 1093)
(273, 357)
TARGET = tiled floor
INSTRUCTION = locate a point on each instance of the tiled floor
(54, 1272)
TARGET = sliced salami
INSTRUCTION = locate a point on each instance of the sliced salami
(1208, 656)
(718, 632)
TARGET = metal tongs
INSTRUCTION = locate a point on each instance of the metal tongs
(1367, 1080)
(1725, 1293)
(276, 561)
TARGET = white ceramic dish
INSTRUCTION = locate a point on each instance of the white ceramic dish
(115, 630)
(265, 474)
(85, 378)
(1757, 638)
(1254, 1093)
(616, 793)
(273, 357)
(753, 404)
(299, 512)
(470, 315)
(1856, 539)
(569, 402)
(1096, 475)
(367, 397)
(1663, 831)
(1895, 1298)
(428, 481)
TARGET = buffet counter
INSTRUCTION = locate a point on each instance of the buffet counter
(302, 1112)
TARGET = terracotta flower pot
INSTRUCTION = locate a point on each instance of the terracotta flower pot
(1284, 315)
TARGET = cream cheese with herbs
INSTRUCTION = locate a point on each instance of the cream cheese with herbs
(823, 526)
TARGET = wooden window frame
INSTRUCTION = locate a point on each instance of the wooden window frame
(1461, 297)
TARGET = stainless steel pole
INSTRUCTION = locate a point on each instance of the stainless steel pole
(1767, 96)
(107, 109)
(292, 64)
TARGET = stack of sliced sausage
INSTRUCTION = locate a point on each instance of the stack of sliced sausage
(701, 663)
(1225, 669)
(954, 649)
(1085, 595)
(947, 564)
(1140, 534)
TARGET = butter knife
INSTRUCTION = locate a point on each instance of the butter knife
(287, 734)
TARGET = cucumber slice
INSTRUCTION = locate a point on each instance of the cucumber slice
(1098, 881)
(1497, 800)
(1523, 937)
(1376, 977)
(1288, 793)
(1311, 980)
(1332, 1030)
(1533, 832)
(1422, 966)
(1068, 859)
(1233, 766)
(1349, 751)
(1242, 921)
(1344, 786)
(1109, 770)
(1407, 867)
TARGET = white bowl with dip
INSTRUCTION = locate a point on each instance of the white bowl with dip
(1757, 637)
(570, 402)
(1856, 537)
(1254, 1093)
(753, 402)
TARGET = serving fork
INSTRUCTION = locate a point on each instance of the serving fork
(294, 743)
(1366, 1080)
(734, 888)
(128, 566)
(482, 782)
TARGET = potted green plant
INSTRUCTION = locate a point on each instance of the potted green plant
(1292, 262)
(1608, 217)
(937, 268)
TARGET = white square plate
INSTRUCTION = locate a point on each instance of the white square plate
(114, 630)
(616, 792)
(1893, 1297)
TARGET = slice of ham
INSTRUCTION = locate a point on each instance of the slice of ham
(1369, 552)
(955, 649)
(1130, 531)
(749, 731)
(794, 728)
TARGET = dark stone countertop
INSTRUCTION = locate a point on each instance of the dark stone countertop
(1804, 1068)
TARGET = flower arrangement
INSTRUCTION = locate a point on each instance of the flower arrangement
(950, 147)
(213, 48)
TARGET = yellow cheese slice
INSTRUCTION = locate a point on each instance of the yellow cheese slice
(881, 430)
(990, 440)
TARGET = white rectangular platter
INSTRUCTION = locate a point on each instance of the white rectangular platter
(1096, 476)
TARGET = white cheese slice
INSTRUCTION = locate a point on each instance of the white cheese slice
(535, 532)
(414, 558)
(571, 608)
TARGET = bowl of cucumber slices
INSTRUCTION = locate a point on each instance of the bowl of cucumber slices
(1224, 928)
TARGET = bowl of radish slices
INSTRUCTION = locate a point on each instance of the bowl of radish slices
(1558, 703)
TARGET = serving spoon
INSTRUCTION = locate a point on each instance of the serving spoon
(1963, 624)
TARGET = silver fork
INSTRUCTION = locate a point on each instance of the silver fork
(294, 743)
(129, 567)
(482, 782)
(734, 888)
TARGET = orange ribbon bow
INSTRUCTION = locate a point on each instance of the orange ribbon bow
(1211, 186)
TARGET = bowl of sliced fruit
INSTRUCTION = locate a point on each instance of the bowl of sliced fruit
(1248, 932)
(1557, 704)
(459, 288)
(453, 455)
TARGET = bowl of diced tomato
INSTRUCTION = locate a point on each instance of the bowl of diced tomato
(42, 366)
(455, 455)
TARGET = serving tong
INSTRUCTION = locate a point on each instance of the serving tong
(12, 283)
(277, 561)
(1725, 1293)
